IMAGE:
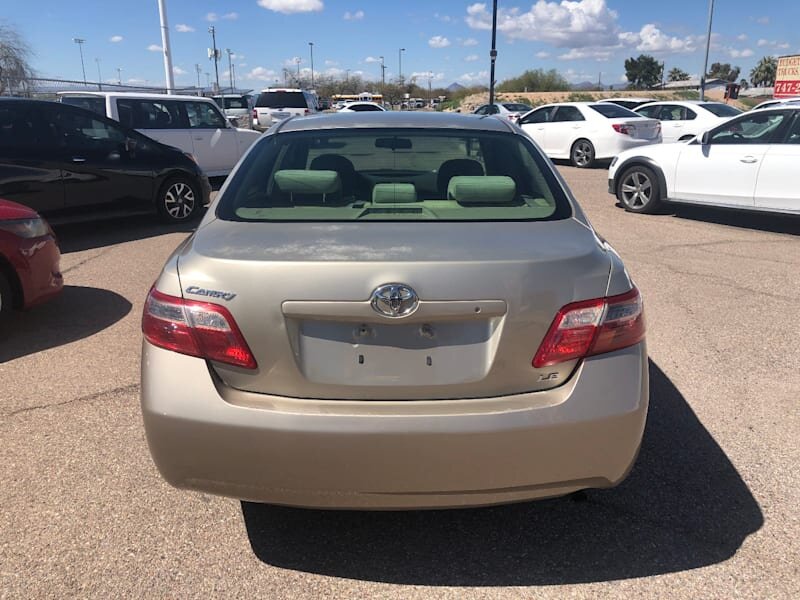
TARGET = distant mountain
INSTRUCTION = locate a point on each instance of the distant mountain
(584, 85)
(454, 87)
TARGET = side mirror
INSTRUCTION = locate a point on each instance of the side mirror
(130, 145)
(705, 138)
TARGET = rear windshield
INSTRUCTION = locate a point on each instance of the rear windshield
(92, 103)
(517, 107)
(281, 100)
(721, 110)
(394, 175)
(613, 111)
(232, 102)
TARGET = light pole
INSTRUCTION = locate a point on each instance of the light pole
(99, 77)
(311, 48)
(708, 46)
(298, 60)
(383, 75)
(119, 75)
(215, 55)
(199, 70)
(81, 42)
(493, 55)
(229, 52)
(430, 95)
(400, 64)
(169, 75)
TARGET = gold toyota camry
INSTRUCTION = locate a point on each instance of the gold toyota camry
(394, 311)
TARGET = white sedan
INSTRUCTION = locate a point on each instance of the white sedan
(362, 107)
(684, 119)
(585, 132)
(749, 162)
(510, 110)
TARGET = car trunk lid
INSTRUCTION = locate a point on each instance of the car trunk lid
(301, 293)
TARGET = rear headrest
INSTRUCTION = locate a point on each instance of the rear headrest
(491, 189)
(297, 181)
(393, 193)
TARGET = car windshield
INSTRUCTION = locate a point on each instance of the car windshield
(613, 111)
(281, 100)
(721, 110)
(517, 107)
(93, 103)
(394, 175)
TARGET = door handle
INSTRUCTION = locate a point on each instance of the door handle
(748, 159)
(77, 159)
(199, 139)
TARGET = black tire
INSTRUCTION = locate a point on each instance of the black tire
(179, 200)
(581, 154)
(6, 298)
(638, 190)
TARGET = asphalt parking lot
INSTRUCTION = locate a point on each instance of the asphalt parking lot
(709, 511)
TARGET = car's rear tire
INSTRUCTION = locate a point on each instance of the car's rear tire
(638, 190)
(6, 298)
(179, 200)
(581, 154)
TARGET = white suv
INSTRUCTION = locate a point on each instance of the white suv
(682, 120)
(277, 104)
(190, 123)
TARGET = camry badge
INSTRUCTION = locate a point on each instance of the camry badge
(394, 300)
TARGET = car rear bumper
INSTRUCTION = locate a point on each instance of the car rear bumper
(206, 436)
(39, 271)
(619, 143)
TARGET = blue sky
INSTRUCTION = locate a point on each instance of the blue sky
(448, 38)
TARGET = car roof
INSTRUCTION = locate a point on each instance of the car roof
(265, 90)
(394, 119)
(148, 96)
(627, 99)
(682, 102)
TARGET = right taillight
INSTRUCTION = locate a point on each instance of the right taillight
(199, 329)
(591, 327)
(622, 128)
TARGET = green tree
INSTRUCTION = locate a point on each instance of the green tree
(676, 74)
(763, 74)
(15, 68)
(643, 72)
(537, 80)
(723, 71)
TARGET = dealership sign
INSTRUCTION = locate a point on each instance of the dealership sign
(787, 77)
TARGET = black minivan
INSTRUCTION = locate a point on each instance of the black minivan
(57, 158)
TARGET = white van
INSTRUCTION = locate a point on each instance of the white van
(191, 123)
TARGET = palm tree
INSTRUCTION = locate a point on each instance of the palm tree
(763, 74)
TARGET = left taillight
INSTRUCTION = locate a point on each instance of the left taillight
(199, 329)
(592, 327)
(622, 128)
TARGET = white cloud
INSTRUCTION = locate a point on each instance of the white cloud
(742, 37)
(469, 42)
(762, 43)
(178, 71)
(183, 28)
(231, 16)
(772, 44)
(291, 6)
(568, 24)
(479, 77)
(212, 17)
(599, 54)
(292, 62)
(542, 54)
(471, 58)
(421, 76)
(442, 18)
(331, 63)
(354, 16)
(762, 20)
(438, 41)
(136, 81)
(734, 53)
(261, 74)
(372, 59)
(651, 39)
(155, 48)
(115, 39)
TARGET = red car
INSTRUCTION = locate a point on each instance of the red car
(29, 258)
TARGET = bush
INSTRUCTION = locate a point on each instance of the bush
(537, 80)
